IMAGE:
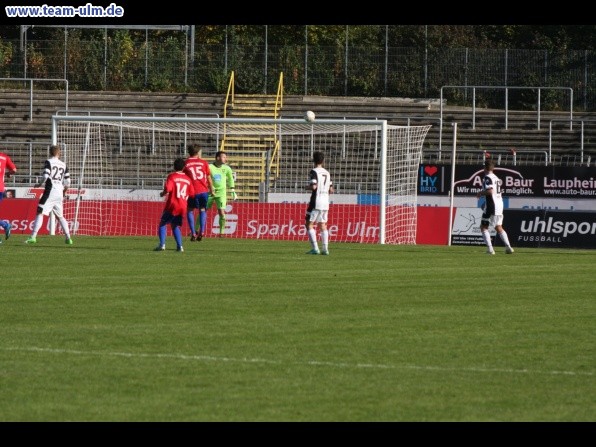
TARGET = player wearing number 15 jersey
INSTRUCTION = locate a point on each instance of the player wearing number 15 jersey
(198, 170)
(178, 188)
(492, 211)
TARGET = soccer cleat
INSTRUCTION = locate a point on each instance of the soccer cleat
(313, 252)
(31, 240)
(180, 249)
(490, 252)
(160, 248)
(7, 235)
(193, 238)
(68, 241)
(325, 252)
(509, 250)
(200, 237)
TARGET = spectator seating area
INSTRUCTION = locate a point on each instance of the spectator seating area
(515, 137)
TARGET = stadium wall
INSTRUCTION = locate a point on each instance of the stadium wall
(526, 228)
(432, 224)
(533, 191)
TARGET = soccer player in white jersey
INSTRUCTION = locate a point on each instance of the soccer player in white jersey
(318, 208)
(492, 210)
(56, 180)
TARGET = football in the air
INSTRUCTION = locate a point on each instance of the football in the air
(309, 116)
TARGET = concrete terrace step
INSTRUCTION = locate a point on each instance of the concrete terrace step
(489, 132)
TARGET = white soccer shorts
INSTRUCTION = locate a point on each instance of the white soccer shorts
(496, 219)
(319, 216)
(53, 203)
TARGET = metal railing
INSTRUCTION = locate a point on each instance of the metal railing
(570, 121)
(466, 157)
(506, 109)
(31, 81)
(25, 150)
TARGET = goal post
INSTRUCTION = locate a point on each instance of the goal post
(118, 165)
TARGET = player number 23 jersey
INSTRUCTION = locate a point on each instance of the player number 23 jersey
(56, 175)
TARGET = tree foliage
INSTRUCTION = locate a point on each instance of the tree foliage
(547, 37)
(354, 60)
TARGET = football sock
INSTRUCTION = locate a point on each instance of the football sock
(4, 224)
(177, 235)
(312, 237)
(203, 221)
(37, 224)
(64, 225)
(162, 235)
(504, 238)
(190, 218)
(487, 241)
(325, 239)
(222, 224)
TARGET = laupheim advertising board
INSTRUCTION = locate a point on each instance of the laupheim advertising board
(520, 181)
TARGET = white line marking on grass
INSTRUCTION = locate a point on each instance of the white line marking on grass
(308, 362)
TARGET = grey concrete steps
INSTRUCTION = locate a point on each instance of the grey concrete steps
(488, 133)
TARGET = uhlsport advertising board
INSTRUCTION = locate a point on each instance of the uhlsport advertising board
(529, 228)
(545, 206)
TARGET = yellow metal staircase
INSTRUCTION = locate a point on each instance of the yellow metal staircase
(252, 149)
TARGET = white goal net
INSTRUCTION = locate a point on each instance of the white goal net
(118, 166)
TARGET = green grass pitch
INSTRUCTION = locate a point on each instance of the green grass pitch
(237, 330)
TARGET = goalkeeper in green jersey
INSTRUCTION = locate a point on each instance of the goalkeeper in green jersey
(222, 178)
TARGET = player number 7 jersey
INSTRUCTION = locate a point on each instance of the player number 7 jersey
(320, 176)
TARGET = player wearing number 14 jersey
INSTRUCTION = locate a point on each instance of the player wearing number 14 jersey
(178, 188)
(198, 170)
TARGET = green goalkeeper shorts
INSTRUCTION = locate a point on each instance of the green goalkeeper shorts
(220, 202)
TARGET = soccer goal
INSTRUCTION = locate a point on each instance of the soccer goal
(118, 165)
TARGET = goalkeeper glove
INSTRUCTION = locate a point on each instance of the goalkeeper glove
(234, 195)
